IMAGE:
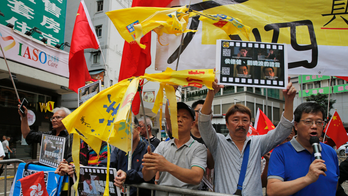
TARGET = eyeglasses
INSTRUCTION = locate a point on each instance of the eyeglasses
(56, 118)
(244, 121)
(310, 122)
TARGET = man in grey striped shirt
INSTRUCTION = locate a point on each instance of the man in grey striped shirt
(228, 151)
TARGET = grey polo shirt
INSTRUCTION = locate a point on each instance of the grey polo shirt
(191, 154)
(228, 159)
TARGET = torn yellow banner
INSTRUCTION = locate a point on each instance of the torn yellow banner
(133, 23)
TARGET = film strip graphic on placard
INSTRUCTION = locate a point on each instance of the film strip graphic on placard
(52, 150)
(253, 64)
(93, 181)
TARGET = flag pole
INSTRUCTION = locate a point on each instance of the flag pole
(181, 43)
(9, 71)
(102, 55)
(130, 153)
(328, 107)
(142, 107)
(328, 100)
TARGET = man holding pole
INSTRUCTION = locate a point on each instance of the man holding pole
(180, 162)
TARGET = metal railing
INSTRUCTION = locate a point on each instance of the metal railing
(176, 190)
(4, 163)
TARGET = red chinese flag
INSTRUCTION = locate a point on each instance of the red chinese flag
(252, 131)
(34, 184)
(83, 37)
(342, 77)
(134, 59)
(262, 123)
(336, 131)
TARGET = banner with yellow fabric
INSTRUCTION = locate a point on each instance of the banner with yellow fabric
(135, 22)
(315, 33)
(107, 115)
(104, 116)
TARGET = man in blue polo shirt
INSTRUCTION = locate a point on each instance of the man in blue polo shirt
(293, 169)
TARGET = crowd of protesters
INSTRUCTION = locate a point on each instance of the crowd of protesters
(291, 168)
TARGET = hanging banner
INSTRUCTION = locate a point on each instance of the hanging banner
(315, 34)
(312, 78)
(18, 47)
(314, 91)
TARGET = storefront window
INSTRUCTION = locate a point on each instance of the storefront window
(10, 120)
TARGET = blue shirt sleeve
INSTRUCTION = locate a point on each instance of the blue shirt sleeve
(276, 166)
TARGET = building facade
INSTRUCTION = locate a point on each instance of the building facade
(29, 31)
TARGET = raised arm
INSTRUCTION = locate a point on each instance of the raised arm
(283, 129)
(289, 95)
(24, 123)
(205, 127)
(206, 109)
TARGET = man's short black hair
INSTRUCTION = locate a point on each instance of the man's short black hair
(264, 69)
(194, 105)
(241, 48)
(308, 107)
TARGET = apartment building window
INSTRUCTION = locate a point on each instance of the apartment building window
(217, 109)
(333, 82)
(310, 86)
(240, 88)
(276, 114)
(98, 30)
(225, 107)
(250, 105)
(340, 81)
(100, 4)
(258, 91)
(317, 84)
(303, 86)
(96, 57)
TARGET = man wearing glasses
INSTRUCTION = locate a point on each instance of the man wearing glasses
(58, 127)
(293, 169)
(228, 152)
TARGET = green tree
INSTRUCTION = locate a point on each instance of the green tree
(322, 100)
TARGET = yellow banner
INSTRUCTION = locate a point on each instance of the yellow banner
(315, 33)
(105, 116)
(95, 118)
(133, 23)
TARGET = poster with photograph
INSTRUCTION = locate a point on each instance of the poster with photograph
(51, 150)
(253, 64)
(88, 91)
(93, 179)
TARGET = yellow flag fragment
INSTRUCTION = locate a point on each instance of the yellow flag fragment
(135, 22)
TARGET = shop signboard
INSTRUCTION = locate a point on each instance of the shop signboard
(46, 15)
